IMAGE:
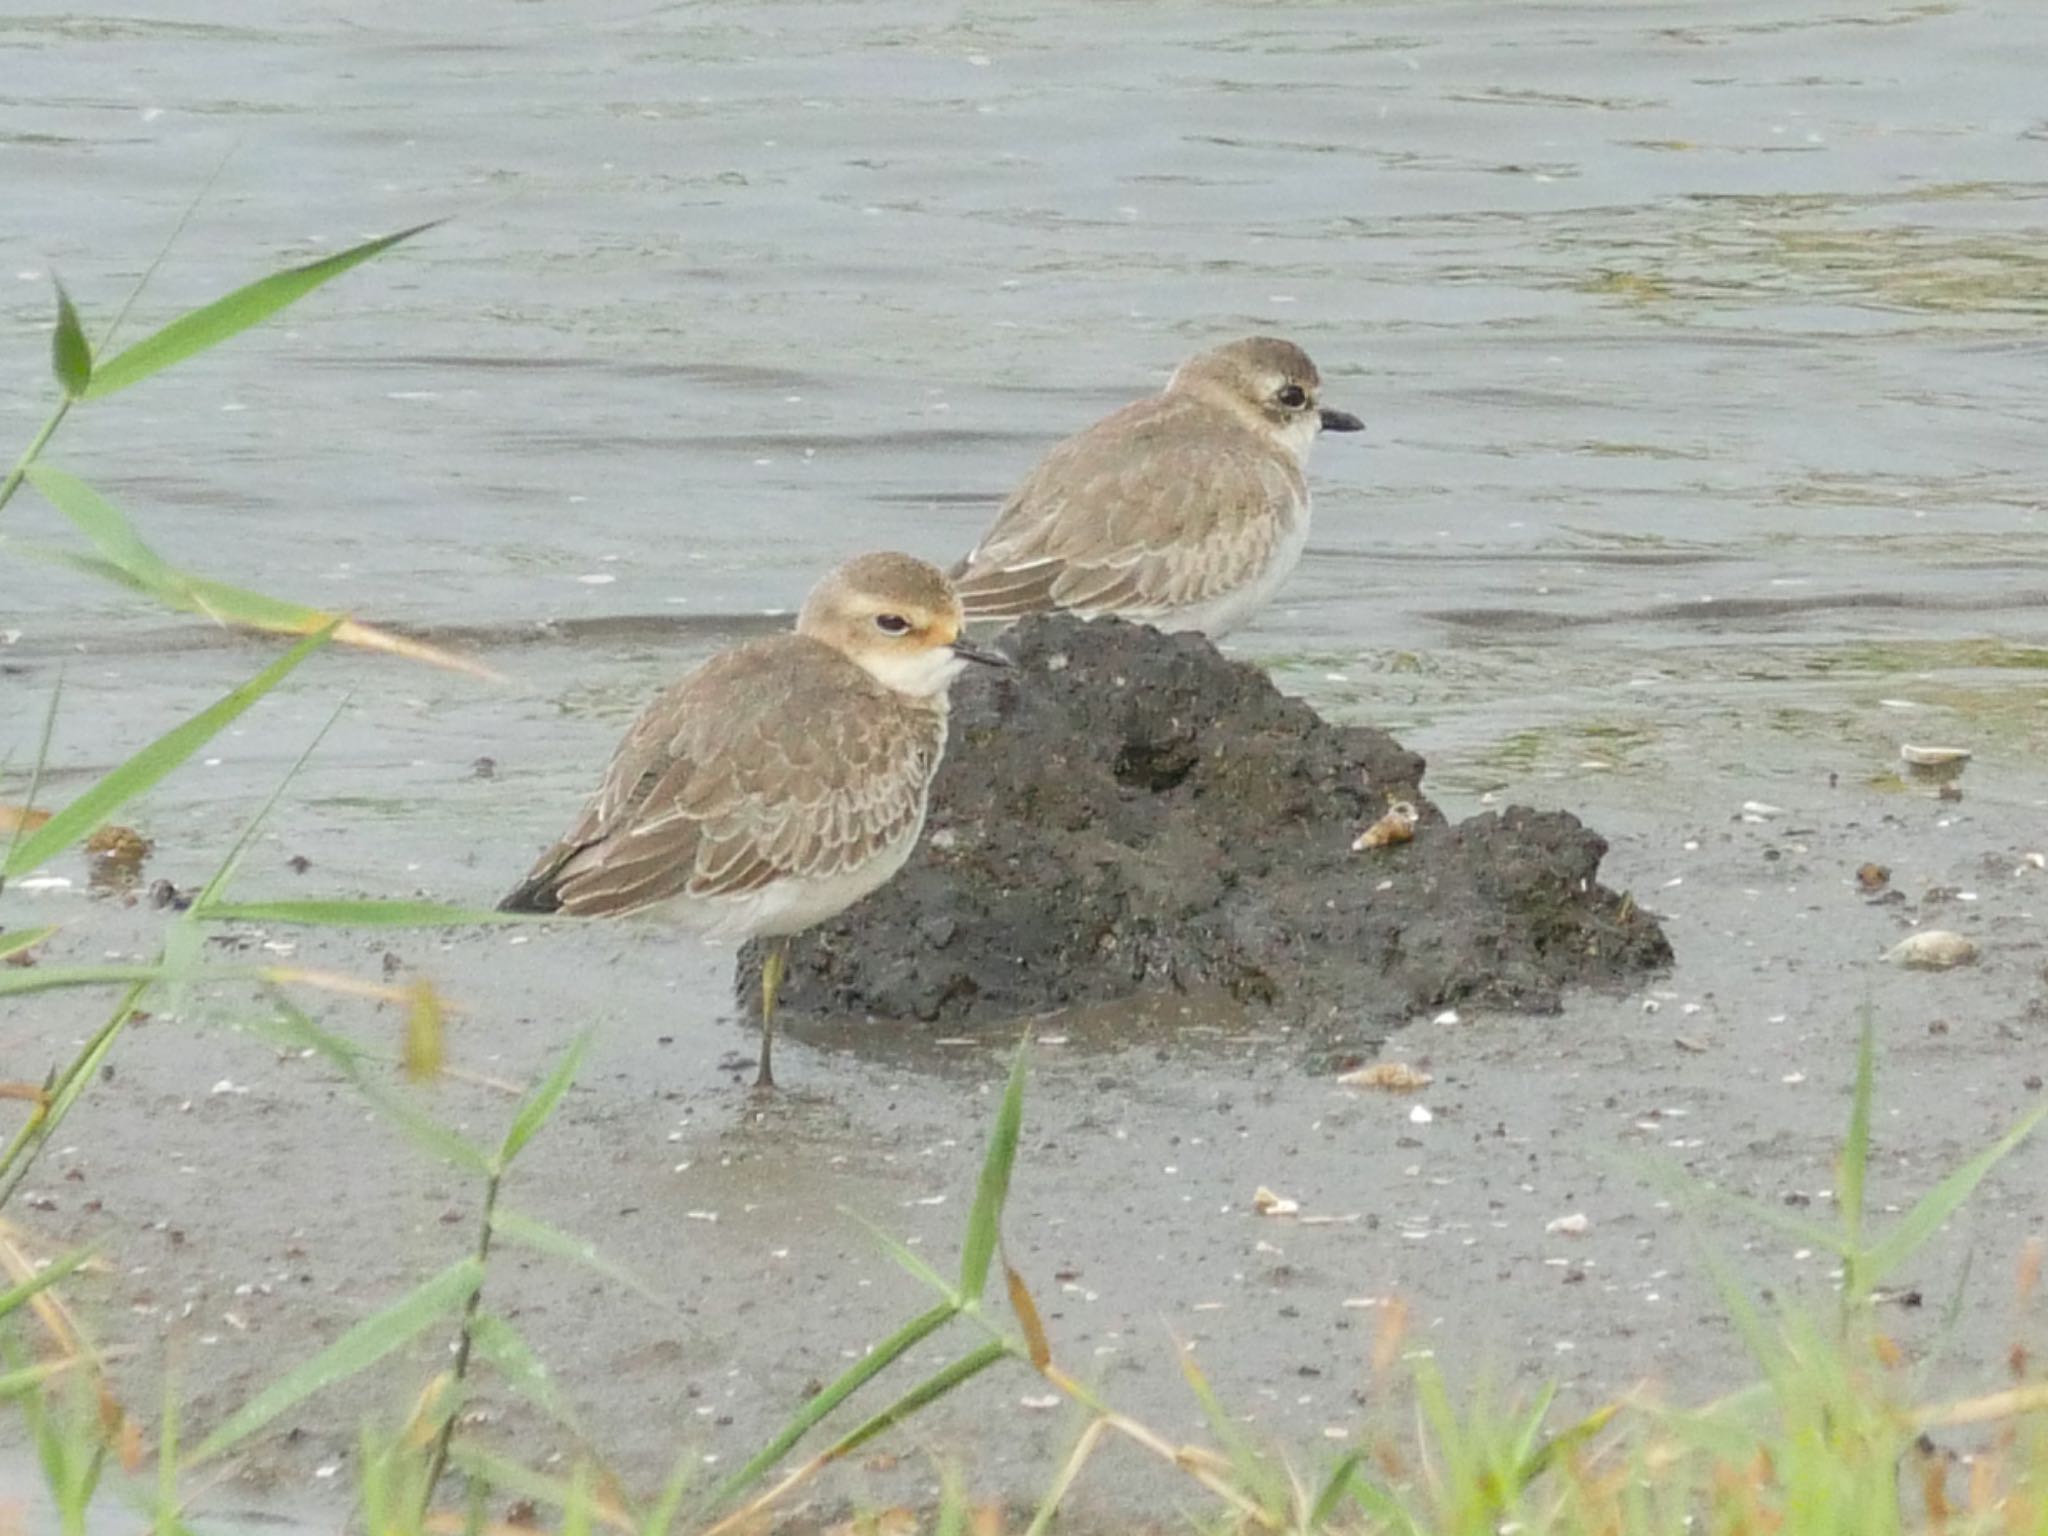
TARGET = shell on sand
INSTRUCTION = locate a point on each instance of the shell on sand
(1397, 826)
(1934, 950)
(1933, 757)
(1397, 1076)
(1266, 1203)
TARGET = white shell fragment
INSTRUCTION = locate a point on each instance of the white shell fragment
(1420, 1115)
(1934, 757)
(1266, 1203)
(1578, 1224)
(1934, 950)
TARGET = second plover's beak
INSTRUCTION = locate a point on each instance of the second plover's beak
(982, 654)
(1341, 421)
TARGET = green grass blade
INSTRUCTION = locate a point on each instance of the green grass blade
(922, 1396)
(29, 1379)
(507, 1353)
(1220, 1424)
(1855, 1163)
(1522, 1449)
(662, 1516)
(163, 251)
(225, 870)
(538, 1105)
(127, 561)
(1693, 1194)
(1538, 1459)
(53, 978)
(152, 764)
(1257, 1477)
(1049, 1502)
(553, 1241)
(35, 777)
(505, 1476)
(11, 481)
(232, 314)
(111, 533)
(870, 1365)
(578, 1511)
(908, 1261)
(126, 558)
(375, 1496)
(1335, 1486)
(1385, 1508)
(50, 1446)
(1932, 1362)
(984, 1222)
(450, 1146)
(16, 1297)
(70, 352)
(1935, 1207)
(953, 1509)
(28, 938)
(92, 565)
(355, 1351)
(167, 1522)
(1749, 1324)
(21, 1153)
(359, 914)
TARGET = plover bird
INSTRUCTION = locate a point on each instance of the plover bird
(781, 781)
(1185, 511)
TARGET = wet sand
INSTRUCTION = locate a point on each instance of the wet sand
(1700, 357)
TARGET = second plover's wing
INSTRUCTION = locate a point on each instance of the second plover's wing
(1156, 509)
(778, 761)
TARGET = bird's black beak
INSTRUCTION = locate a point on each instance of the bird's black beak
(1341, 421)
(982, 654)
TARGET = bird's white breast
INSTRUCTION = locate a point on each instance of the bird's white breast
(1231, 610)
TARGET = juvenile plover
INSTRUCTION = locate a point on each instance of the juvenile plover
(781, 781)
(1185, 511)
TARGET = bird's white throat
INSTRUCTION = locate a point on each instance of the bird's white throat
(919, 673)
(1299, 435)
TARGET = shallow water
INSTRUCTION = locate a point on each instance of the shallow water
(1700, 346)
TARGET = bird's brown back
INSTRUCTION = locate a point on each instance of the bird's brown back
(777, 759)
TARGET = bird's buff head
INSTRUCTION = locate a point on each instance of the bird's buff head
(1271, 384)
(896, 618)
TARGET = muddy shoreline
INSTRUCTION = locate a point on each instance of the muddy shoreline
(1702, 471)
(255, 1208)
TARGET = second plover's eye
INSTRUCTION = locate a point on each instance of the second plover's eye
(892, 623)
(1294, 397)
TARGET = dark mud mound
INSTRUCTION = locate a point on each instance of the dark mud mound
(1129, 811)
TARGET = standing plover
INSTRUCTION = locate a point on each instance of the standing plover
(1185, 511)
(782, 780)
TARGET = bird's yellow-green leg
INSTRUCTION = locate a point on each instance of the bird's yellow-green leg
(771, 983)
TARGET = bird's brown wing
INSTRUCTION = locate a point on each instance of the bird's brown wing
(777, 760)
(1163, 505)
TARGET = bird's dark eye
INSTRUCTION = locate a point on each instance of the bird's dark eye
(892, 623)
(1294, 397)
